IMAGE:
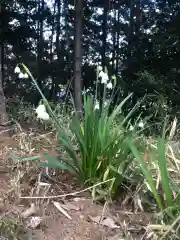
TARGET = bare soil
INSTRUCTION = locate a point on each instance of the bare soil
(55, 225)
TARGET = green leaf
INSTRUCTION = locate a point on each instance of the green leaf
(56, 162)
(118, 109)
(25, 159)
(164, 173)
(146, 172)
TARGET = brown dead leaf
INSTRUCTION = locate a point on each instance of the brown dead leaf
(30, 211)
(106, 221)
(61, 209)
(117, 237)
(71, 206)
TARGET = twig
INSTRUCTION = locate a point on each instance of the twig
(68, 194)
(170, 228)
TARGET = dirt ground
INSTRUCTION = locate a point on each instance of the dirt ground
(81, 219)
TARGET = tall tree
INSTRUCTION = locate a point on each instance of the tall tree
(40, 42)
(78, 57)
(104, 30)
(3, 115)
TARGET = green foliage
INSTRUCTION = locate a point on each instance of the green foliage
(164, 190)
(99, 151)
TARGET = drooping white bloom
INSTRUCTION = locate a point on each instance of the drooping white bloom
(26, 75)
(21, 75)
(131, 128)
(100, 68)
(43, 116)
(104, 77)
(41, 112)
(96, 106)
(17, 70)
(106, 103)
(40, 108)
(101, 74)
(141, 124)
(109, 85)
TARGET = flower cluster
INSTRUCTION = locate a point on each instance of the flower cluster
(21, 74)
(41, 112)
(105, 78)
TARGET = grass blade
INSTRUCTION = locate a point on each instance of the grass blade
(146, 173)
(164, 173)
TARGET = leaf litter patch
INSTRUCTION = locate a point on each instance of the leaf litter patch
(66, 218)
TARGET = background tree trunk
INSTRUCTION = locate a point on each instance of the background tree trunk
(104, 34)
(78, 57)
(3, 114)
(40, 42)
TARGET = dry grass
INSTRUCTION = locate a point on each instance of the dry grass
(9, 229)
(26, 177)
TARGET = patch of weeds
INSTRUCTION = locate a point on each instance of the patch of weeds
(10, 229)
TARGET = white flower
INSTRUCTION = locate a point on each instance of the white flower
(25, 75)
(17, 69)
(40, 108)
(43, 116)
(41, 112)
(21, 75)
(100, 68)
(131, 128)
(141, 124)
(104, 77)
(109, 85)
(96, 106)
(106, 103)
(101, 74)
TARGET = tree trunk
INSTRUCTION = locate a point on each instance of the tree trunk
(130, 34)
(104, 29)
(58, 16)
(40, 42)
(117, 43)
(78, 57)
(3, 114)
(51, 94)
(137, 26)
(114, 30)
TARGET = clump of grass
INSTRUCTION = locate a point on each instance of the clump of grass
(159, 179)
(160, 169)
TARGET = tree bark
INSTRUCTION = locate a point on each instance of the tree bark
(104, 29)
(40, 42)
(78, 57)
(137, 26)
(51, 94)
(3, 114)
(130, 34)
(114, 30)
